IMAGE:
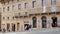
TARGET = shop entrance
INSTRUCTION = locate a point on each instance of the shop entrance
(54, 21)
(25, 26)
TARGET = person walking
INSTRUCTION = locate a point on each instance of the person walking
(49, 23)
(30, 27)
(3, 30)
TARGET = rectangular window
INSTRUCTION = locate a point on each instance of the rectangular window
(34, 4)
(19, 6)
(26, 13)
(3, 18)
(44, 5)
(8, 8)
(12, 7)
(8, 18)
(13, 17)
(43, 2)
(53, 8)
(3, 9)
(26, 5)
(53, 3)
(19, 14)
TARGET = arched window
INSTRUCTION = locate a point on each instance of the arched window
(44, 24)
(34, 22)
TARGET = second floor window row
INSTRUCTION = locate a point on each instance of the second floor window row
(34, 3)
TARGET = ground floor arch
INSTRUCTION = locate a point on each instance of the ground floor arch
(8, 27)
(54, 21)
(18, 26)
(34, 22)
(13, 27)
(44, 21)
(25, 26)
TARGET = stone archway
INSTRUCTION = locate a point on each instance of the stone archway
(54, 21)
(34, 20)
(44, 23)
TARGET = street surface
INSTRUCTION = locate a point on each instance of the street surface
(41, 31)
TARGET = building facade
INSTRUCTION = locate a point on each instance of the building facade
(17, 14)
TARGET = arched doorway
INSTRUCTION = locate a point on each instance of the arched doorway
(44, 24)
(8, 27)
(13, 27)
(26, 26)
(54, 21)
(34, 19)
(18, 26)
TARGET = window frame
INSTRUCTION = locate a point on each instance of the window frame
(13, 7)
(19, 6)
(25, 5)
(3, 9)
(53, 3)
(8, 8)
(43, 2)
(33, 4)
(8, 18)
(3, 18)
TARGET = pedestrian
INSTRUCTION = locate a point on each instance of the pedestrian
(49, 24)
(4, 30)
(29, 27)
(9, 30)
(25, 28)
